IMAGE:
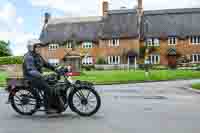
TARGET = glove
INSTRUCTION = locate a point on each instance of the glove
(58, 69)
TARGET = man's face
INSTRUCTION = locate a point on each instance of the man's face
(37, 49)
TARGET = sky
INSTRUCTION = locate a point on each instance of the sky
(21, 20)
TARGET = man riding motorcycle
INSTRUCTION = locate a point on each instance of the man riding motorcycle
(32, 71)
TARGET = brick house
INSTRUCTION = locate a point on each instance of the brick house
(118, 35)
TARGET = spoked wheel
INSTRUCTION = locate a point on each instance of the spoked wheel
(85, 101)
(24, 102)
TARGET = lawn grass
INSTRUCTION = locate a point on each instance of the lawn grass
(196, 86)
(125, 76)
(3, 77)
(115, 76)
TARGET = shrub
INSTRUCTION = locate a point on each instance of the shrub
(194, 65)
(141, 66)
(88, 67)
(101, 61)
(159, 67)
(145, 66)
(11, 60)
(142, 52)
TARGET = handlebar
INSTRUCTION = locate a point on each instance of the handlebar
(61, 70)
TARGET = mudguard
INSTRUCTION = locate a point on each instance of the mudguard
(12, 90)
(14, 85)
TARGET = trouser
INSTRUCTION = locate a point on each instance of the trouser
(41, 84)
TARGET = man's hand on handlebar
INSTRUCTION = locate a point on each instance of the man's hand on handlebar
(61, 70)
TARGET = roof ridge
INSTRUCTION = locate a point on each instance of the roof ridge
(74, 19)
(121, 11)
(172, 11)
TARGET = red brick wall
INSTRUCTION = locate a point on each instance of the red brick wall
(184, 47)
(100, 49)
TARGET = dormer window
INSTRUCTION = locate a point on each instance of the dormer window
(53, 46)
(172, 40)
(87, 45)
(113, 42)
(152, 42)
(68, 44)
(195, 40)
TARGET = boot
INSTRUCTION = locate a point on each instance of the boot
(51, 111)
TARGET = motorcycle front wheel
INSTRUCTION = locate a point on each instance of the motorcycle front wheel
(84, 101)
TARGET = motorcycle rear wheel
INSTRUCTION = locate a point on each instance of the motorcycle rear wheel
(25, 98)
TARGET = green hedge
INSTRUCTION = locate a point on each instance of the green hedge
(11, 60)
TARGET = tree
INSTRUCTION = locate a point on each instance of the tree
(4, 49)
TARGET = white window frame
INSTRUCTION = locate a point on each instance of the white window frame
(152, 42)
(114, 42)
(195, 40)
(113, 60)
(87, 60)
(54, 61)
(87, 45)
(172, 40)
(53, 46)
(154, 59)
(68, 44)
(197, 58)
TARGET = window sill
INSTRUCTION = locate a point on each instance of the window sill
(152, 46)
(195, 44)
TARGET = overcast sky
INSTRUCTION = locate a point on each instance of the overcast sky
(21, 20)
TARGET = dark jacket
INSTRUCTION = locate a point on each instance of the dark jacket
(33, 64)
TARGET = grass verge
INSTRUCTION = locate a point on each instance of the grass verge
(121, 77)
(196, 86)
(115, 76)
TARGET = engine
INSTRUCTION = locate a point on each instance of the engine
(60, 89)
(51, 79)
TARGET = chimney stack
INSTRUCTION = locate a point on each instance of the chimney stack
(140, 4)
(140, 7)
(105, 7)
(47, 16)
(140, 15)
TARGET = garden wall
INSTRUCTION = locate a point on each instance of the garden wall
(14, 70)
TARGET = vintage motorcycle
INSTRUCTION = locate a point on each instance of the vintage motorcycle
(80, 96)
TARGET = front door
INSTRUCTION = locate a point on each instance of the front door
(172, 61)
(131, 60)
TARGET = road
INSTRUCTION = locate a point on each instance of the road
(160, 107)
